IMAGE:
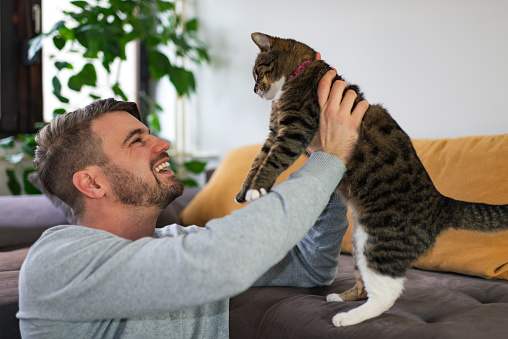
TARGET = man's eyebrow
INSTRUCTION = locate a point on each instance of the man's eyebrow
(133, 133)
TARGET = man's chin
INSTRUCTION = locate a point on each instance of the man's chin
(173, 191)
(178, 188)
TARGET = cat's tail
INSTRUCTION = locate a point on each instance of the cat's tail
(480, 217)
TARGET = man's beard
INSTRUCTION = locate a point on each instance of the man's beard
(132, 190)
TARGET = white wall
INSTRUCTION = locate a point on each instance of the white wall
(439, 66)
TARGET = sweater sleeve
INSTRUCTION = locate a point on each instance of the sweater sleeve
(314, 260)
(75, 273)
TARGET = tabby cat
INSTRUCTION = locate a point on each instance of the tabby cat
(397, 210)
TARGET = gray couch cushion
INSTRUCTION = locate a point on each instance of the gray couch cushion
(23, 219)
(63, 207)
(433, 305)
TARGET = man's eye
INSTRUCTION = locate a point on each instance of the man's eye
(136, 141)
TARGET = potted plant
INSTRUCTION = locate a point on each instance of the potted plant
(99, 30)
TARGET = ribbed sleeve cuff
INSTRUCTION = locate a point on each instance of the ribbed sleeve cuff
(324, 166)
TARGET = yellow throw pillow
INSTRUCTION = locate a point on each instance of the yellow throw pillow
(217, 198)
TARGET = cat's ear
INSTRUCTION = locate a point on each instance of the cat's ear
(261, 40)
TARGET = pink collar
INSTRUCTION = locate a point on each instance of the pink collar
(299, 69)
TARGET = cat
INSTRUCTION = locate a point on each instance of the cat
(397, 210)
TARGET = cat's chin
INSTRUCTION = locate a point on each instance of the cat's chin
(275, 90)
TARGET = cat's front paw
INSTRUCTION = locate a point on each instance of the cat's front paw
(253, 195)
(240, 198)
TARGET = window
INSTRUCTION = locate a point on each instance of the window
(21, 80)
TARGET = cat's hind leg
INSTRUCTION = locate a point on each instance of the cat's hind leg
(382, 290)
(357, 292)
(381, 297)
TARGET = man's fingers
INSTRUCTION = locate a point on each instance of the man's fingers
(324, 87)
(348, 101)
(360, 110)
(335, 97)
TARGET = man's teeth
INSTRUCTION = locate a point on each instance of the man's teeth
(162, 167)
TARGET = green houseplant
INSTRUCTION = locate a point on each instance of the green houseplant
(16, 151)
(97, 32)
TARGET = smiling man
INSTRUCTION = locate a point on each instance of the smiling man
(137, 177)
(115, 275)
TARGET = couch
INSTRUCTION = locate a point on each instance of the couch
(458, 290)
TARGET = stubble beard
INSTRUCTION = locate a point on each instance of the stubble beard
(133, 190)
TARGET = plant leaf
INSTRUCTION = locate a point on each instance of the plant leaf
(15, 158)
(183, 80)
(195, 166)
(192, 25)
(30, 145)
(118, 91)
(87, 76)
(165, 5)
(61, 98)
(27, 185)
(35, 46)
(56, 27)
(63, 64)
(7, 142)
(80, 4)
(158, 64)
(153, 123)
(58, 111)
(57, 87)
(190, 182)
(59, 42)
(12, 182)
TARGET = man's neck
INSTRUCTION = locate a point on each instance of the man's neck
(127, 222)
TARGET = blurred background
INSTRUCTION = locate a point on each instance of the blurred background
(439, 67)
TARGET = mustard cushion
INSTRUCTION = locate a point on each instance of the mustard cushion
(217, 198)
(469, 168)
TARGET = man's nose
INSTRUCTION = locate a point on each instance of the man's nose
(160, 145)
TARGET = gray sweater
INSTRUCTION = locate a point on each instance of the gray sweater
(78, 282)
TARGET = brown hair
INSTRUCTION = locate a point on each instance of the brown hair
(67, 145)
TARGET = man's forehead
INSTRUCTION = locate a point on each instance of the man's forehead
(116, 125)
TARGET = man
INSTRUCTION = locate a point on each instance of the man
(115, 275)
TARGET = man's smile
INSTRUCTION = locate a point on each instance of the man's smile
(162, 167)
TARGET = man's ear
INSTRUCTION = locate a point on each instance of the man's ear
(88, 182)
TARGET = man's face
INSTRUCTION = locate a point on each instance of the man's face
(136, 159)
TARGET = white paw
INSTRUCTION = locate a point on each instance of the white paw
(345, 319)
(254, 194)
(333, 297)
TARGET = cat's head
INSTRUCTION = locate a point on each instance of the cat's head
(277, 60)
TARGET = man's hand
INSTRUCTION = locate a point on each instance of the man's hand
(339, 128)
